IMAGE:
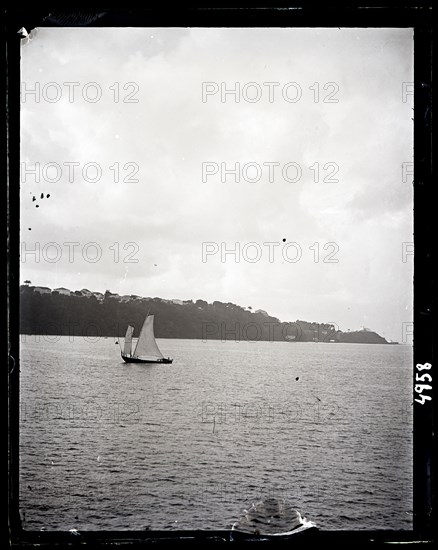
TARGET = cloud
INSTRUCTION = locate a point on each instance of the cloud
(163, 139)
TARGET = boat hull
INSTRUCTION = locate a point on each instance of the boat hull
(128, 359)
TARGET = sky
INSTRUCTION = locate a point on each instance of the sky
(131, 132)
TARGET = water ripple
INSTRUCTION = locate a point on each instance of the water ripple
(105, 445)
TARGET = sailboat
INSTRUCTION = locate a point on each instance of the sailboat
(146, 350)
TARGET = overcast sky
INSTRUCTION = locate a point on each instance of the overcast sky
(169, 132)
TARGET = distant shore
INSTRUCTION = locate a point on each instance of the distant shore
(84, 313)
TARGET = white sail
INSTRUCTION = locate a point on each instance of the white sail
(146, 345)
(128, 341)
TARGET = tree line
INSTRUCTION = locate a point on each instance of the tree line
(75, 315)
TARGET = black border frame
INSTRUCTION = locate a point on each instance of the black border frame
(418, 17)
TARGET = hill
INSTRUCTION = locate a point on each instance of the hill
(89, 314)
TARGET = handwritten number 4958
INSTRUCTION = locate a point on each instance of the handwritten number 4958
(425, 377)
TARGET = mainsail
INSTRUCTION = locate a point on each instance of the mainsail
(128, 340)
(146, 345)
